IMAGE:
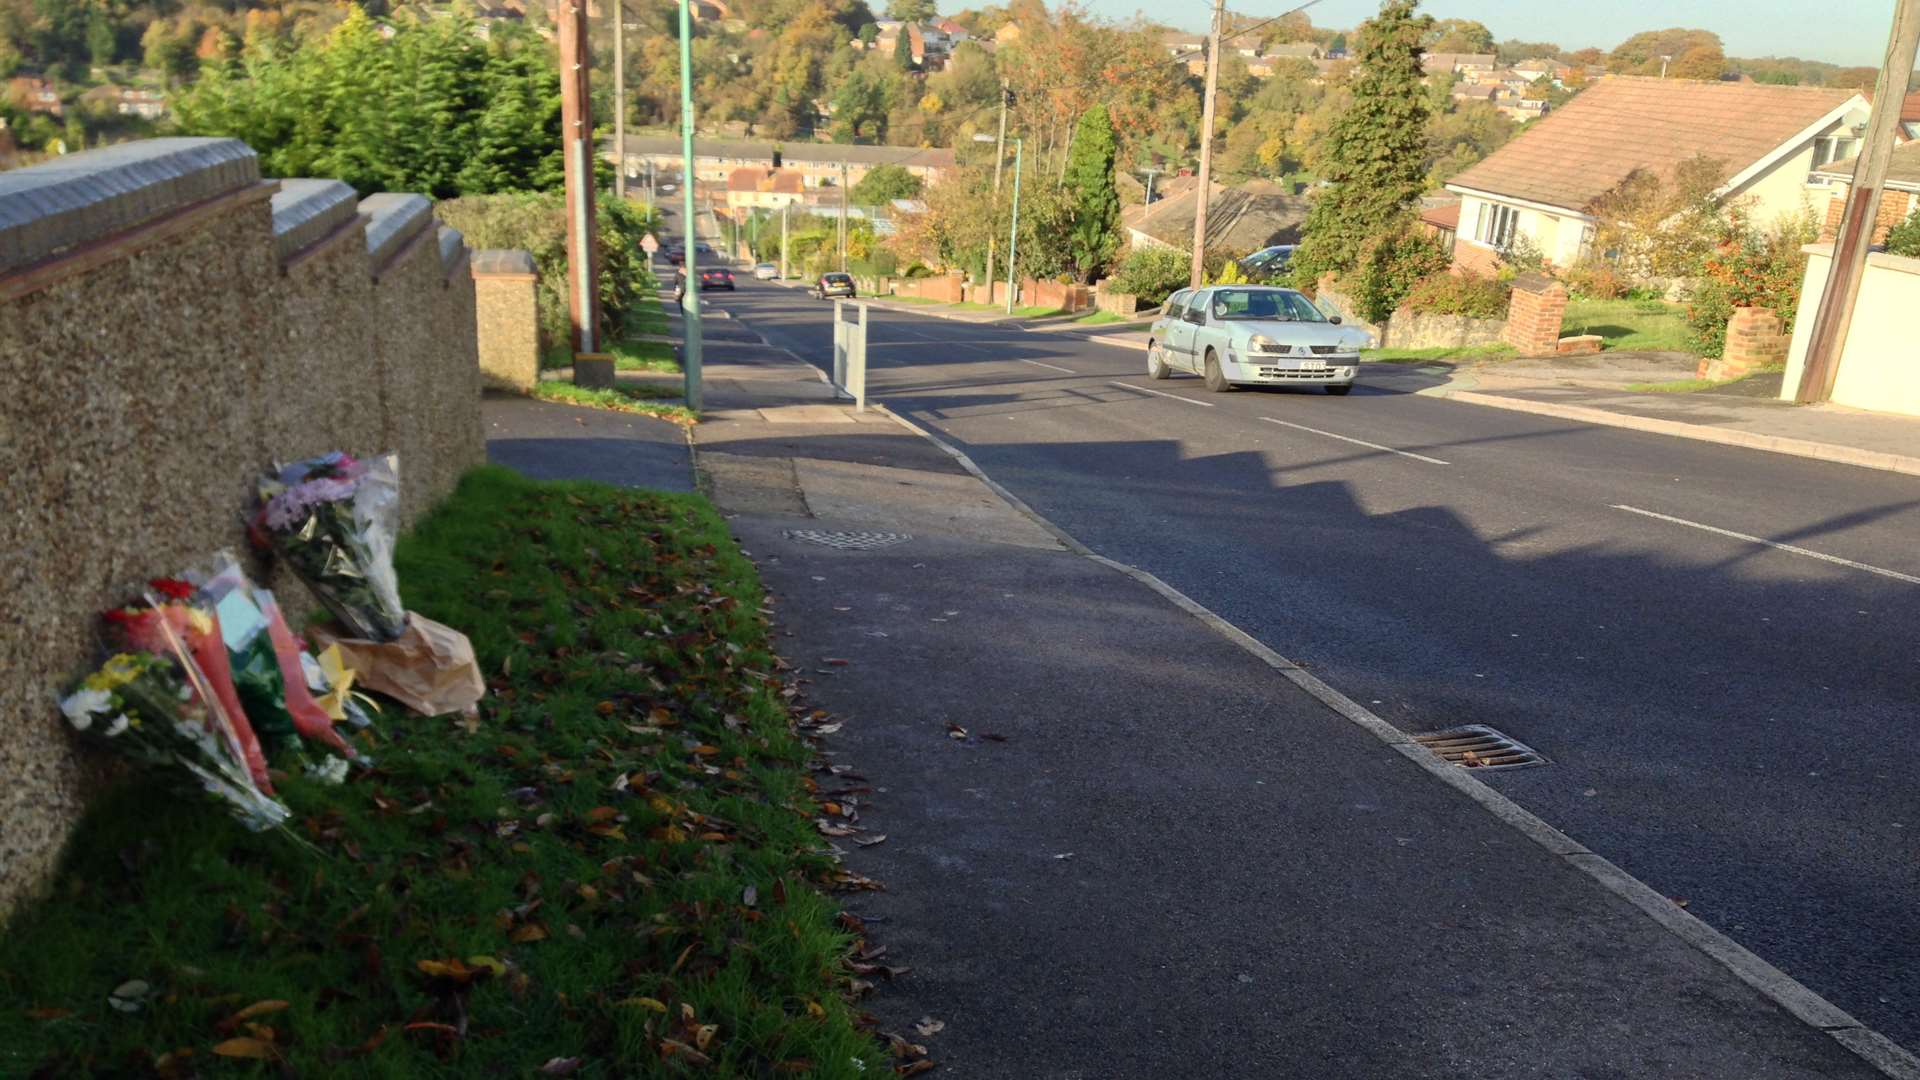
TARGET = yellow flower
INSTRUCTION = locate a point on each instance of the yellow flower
(115, 673)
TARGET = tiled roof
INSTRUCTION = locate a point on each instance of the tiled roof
(1623, 123)
(1903, 168)
(1239, 219)
(1443, 217)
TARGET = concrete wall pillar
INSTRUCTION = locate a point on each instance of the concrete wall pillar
(507, 314)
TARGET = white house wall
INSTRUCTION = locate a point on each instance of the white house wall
(1782, 189)
(1879, 368)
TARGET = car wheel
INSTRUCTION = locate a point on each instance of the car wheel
(1340, 390)
(1216, 381)
(1156, 363)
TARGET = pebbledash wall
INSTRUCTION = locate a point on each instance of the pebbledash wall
(170, 323)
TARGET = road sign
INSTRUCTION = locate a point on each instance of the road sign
(648, 244)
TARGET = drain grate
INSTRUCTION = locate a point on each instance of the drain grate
(848, 541)
(1477, 746)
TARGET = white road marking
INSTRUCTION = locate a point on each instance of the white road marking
(1049, 367)
(1124, 343)
(1776, 545)
(1162, 393)
(1358, 442)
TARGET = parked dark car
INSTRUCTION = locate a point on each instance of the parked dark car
(833, 285)
(1268, 263)
(716, 277)
(676, 254)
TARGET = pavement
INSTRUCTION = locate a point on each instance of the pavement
(1149, 851)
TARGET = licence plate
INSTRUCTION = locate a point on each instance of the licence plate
(1315, 364)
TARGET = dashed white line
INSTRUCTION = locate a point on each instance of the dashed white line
(1776, 545)
(1161, 393)
(1049, 367)
(1358, 442)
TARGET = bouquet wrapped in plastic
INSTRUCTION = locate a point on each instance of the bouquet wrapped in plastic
(159, 708)
(334, 520)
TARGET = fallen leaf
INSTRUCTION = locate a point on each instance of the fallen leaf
(560, 1066)
(915, 1069)
(750, 896)
(1064, 855)
(955, 731)
(602, 813)
(869, 841)
(674, 1047)
(1471, 760)
(258, 1008)
(488, 963)
(129, 995)
(48, 1014)
(927, 1025)
(646, 1003)
(993, 736)
(704, 1034)
(247, 1048)
(528, 933)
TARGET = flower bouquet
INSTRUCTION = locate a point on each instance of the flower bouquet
(158, 708)
(177, 623)
(334, 520)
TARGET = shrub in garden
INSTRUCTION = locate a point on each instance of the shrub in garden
(1904, 238)
(1750, 268)
(1470, 294)
(1595, 279)
(1151, 273)
(1390, 265)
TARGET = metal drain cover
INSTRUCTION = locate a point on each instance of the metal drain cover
(1477, 746)
(847, 541)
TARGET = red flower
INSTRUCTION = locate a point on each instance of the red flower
(172, 588)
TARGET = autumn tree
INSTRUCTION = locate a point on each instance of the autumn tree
(1699, 62)
(1641, 53)
(1513, 50)
(1376, 150)
(1459, 36)
(911, 11)
(885, 183)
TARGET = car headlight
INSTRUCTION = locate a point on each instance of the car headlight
(1263, 343)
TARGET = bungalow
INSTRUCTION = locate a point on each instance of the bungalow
(1254, 215)
(1769, 142)
(1899, 196)
(1465, 63)
(1296, 50)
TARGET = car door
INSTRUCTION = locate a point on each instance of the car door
(1172, 325)
(1197, 330)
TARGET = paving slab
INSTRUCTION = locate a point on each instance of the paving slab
(550, 441)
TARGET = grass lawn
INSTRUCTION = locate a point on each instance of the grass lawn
(911, 300)
(1100, 318)
(1018, 313)
(1651, 325)
(615, 863)
(1496, 351)
(640, 399)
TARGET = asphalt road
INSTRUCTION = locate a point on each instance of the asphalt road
(1726, 720)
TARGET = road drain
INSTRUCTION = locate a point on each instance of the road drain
(1477, 746)
(847, 541)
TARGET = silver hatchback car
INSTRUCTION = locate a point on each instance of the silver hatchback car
(1234, 335)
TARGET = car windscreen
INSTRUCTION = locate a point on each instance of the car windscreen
(1271, 305)
(836, 279)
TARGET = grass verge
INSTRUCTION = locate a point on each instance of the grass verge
(898, 299)
(1646, 325)
(1461, 354)
(1100, 318)
(634, 399)
(614, 863)
(1690, 386)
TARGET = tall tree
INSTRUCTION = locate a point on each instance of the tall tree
(885, 183)
(1459, 36)
(1641, 53)
(1089, 184)
(903, 49)
(1376, 150)
(1699, 62)
(912, 11)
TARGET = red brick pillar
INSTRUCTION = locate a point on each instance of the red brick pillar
(1534, 314)
(1756, 338)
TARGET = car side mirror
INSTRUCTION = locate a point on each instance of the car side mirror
(1334, 319)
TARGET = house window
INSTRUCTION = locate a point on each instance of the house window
(1831, 148)
(1494, 227)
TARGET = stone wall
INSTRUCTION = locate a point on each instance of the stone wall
(170, 324)
(1410, 329)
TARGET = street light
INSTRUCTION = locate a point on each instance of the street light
(1013, 233)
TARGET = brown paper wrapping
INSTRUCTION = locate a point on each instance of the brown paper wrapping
(429, 668)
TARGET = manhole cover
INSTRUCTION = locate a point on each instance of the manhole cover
(1477, 746)
(848, 541)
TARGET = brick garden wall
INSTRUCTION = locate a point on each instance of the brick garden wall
(1894, 208)
(169, 325)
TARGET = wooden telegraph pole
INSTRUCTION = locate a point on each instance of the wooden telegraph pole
(576, 127)
(619, 9)
(1831, 320)
(1197, 273)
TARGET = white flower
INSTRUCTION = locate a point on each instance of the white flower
(330, 770)
(81, 706)
(119, 725)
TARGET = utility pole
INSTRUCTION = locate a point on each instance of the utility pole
(1197, 273)
(783, 240)
(843, 215)
(1664, 61)
(576, 125)
(999, 156)
(1151, 171)
(689, 299)
(653, 198)
(1834, 317)
(1013, 234)
(619, 9)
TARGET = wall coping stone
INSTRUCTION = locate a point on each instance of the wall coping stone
(452, 246)
(307, 211)
(513, 262)
(1901, 263)
(58, 205)
(392, 220)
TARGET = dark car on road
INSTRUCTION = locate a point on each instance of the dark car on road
(676, 254)
(833, 285)
(716, 277)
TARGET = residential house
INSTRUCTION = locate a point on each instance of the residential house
(1487, 92)
(1899, 196)
(1296, 50)
(1768, 142)
(35, 95)
(755, 188)
(1509, 79)
(954, 32)
(1522, 109)
(1554, 70)
(1254, 215)
(819, 164)
(145, 104)
(1007, 34)
(1441, 220)
(1464, 63)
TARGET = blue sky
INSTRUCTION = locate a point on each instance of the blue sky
(1839, 31)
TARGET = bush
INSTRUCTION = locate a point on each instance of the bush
(1469, 294)
(1904, 238)
(1390, 265)
(1152, 274)
(1750, 269)
(1595, 279)
(537, 223)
